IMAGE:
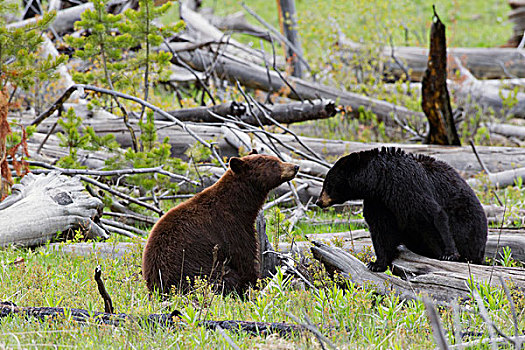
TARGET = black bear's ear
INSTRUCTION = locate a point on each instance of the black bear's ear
(253, 151)
(236, 164)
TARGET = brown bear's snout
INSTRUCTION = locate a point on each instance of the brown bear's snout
(288, 171)
(324, 200)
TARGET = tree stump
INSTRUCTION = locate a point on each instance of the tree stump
(43, 205)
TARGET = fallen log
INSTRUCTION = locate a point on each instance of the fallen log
(160, 320)
(508, 130)
(468, 89)
(501, 179)
(359, 240)
(286, 113)
(43, 205)
(202, 30)
(356, 241)
(484, 63)
(461, 158)
(63, 22)
(444, 281)
(236, 22)
(256, 77)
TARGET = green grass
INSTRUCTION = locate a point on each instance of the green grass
(352, 317)
(469, 23)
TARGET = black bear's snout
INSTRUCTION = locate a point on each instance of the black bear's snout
(296, 168)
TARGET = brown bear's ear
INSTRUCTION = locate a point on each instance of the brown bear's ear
(236, 164)
(253, 151)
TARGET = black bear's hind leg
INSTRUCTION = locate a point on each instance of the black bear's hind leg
(440, 219)
(384, 232)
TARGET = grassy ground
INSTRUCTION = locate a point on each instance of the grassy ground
(352, 317)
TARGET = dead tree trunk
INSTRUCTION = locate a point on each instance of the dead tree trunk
(288, 23)
(436, 100)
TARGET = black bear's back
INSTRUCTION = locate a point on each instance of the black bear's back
(467, 220)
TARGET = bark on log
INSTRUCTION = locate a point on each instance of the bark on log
(286, 113)
(162, 320)
(484, 63)
(444, 281)
(43, 205)
(436, 100)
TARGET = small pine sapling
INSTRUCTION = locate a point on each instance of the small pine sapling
(20, 67)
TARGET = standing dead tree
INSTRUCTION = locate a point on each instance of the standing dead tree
(288, 22)
(436, 100)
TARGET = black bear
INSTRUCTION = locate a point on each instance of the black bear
(410, 199)
(212, 234)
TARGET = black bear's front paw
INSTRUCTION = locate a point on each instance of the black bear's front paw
(450, 257)
(377, 266)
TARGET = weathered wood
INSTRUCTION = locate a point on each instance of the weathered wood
(236, 22)
(501, 179)
(484, 63)
(356, 241)
(267, 260)
(508, 130)
(444, 281)
(43, 205)
(461, 158)
(63, 22)
(163, 320)
(485, 94)
(359, 240)
(202, 30)
(285, 113)
(436, 100)
(256, 77)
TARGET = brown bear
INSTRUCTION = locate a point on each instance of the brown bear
(410, 199)
(212, 234)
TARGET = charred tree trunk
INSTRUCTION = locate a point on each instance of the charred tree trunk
(436, 100)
